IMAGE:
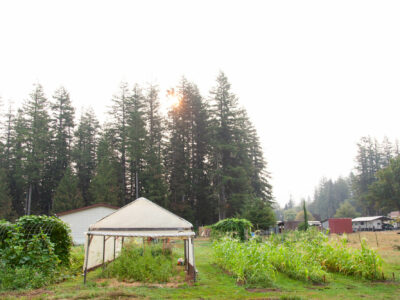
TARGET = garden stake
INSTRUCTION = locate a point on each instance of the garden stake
(376, 237)
(393, 276)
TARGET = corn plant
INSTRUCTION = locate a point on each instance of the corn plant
(306, 256)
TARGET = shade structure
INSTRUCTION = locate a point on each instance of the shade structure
(140, 218)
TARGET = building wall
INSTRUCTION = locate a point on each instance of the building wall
(342, 225)
(80, 221)
(325, 225)
(367, 225)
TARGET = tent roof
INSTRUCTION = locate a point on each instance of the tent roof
(142, 215)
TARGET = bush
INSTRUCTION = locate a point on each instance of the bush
(151, 264)
(32, 251)
(57, 230)
(233, 226)
(27, 263)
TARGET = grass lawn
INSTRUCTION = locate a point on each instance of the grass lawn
(213, 283)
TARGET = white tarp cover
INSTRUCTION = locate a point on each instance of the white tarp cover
(140, 218)
(142, 214)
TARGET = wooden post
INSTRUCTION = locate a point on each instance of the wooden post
(86, 258)
(376, 237)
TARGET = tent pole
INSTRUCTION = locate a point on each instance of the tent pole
(114, 247)
(185, 252)
(194, 265)
(104, 249)
(86, 258)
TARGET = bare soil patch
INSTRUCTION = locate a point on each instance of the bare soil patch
(29, 294)
(262, 290)
(112, 282)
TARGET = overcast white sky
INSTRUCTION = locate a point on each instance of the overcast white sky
(314, 76)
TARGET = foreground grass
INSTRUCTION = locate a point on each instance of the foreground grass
(213, 283)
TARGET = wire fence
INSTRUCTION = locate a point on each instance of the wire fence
(7, 230)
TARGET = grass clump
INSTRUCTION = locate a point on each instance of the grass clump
(152, 264)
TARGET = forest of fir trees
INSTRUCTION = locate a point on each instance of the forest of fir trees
(202, 160)
(373, 188)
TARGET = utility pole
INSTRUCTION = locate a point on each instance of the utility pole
(28, 200)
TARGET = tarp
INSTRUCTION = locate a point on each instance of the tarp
(142, 215)
(140, 218)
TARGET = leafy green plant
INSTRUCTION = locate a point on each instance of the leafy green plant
(152, 264)
(233, 226)
(33, 252)
(27, 263)
(302, 255)
(58, 232)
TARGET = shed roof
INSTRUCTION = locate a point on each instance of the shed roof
(367, 219)
(85, 208)
(144, 216)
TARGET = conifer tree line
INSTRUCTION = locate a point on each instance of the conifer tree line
(372, 189)
(202, 159)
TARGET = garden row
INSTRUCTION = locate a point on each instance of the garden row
(306, 256)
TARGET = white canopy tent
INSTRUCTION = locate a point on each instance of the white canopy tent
(140, 218)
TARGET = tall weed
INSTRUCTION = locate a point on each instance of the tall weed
(152, 264)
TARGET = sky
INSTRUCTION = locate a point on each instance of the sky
(314, 76)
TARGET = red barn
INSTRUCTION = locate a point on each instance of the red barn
(339, 225)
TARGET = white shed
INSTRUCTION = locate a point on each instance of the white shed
(80, 219)
(369, 223)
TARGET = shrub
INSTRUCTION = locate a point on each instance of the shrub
(32, 251)
(27, 263)
(57, 230)
(152, 264)
(233, 226)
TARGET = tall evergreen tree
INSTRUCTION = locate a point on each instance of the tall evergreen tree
(153, 177)
(187, 153)
(136, 136)
(5, 197)
(67, 195)
(238, 167)
(38, 145)
(371, 158)
(119, 125)
(85, 152)
(106, 186)
(16, 162)
(63, 127)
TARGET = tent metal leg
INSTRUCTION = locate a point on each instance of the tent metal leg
(104, 250)
(114, 247)
(184, 253)
(86, 258)
(194, 264)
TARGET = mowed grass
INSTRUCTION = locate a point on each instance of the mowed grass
(213, 283)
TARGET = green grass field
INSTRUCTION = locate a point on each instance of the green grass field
(214, 283)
